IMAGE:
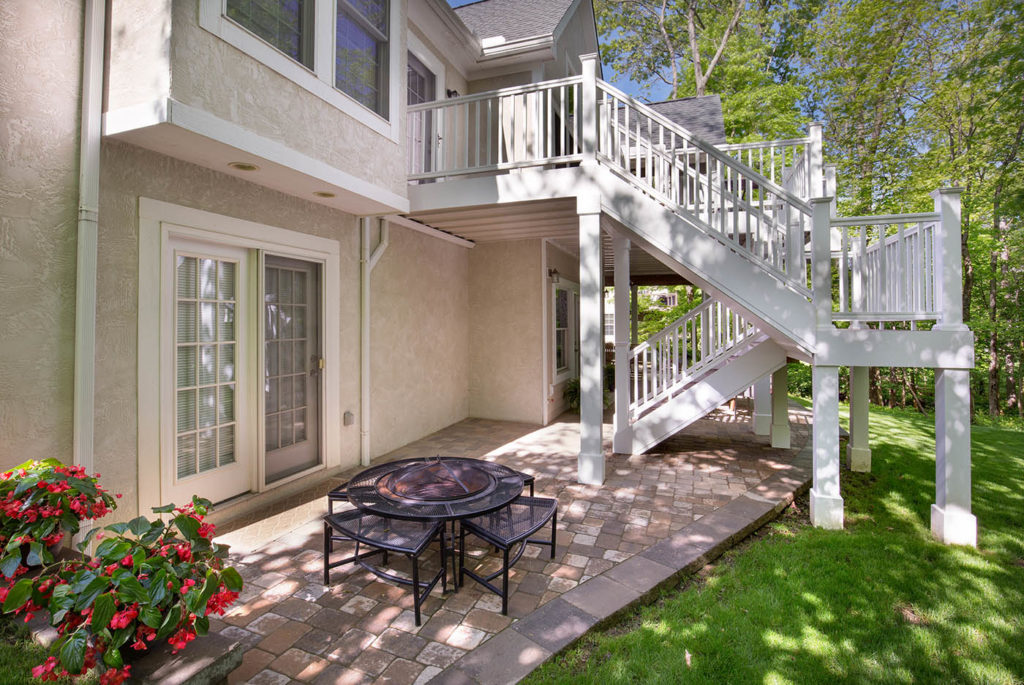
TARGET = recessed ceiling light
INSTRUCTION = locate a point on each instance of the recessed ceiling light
(323, 193)
(243, 166)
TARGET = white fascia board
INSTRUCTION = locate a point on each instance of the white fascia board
(194, 135)
(871, 347)
(439, 23)
(524, 47)
(528, 184)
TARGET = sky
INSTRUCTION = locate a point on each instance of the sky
(657, 91)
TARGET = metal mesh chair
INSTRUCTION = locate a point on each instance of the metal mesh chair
(385, 535)
(527, 480)
(504, 528)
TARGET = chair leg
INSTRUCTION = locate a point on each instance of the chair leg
(504, 583)
(327, 554)
(462, 557)
(416, 588)
(444, 563)
(554, 526)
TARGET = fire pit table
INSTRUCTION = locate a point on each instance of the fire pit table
(434, 488)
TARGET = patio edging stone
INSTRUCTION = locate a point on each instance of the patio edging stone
(637, 581)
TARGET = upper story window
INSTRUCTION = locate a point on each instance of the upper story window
(338, 49)
(361, 51)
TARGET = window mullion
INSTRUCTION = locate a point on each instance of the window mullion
(363, 22)
(323, 40)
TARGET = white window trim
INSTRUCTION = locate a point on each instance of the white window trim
(320, 79)
(431, 61)
(570, 371)
(158, 223)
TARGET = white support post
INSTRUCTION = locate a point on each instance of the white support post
(622, 442)
(590, 469)
(780, 409)
(816, 154)
(634, 314)
(763, 406)
(826, 503)
(588, 114)
(821, 261)
(948, 265)
(952, 520)
(858, 452)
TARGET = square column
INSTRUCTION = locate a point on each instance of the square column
(780, 409)
(952, 520)
(622, 442)
(826, 504)
(763, 406)
(590, 469)
(858, 453)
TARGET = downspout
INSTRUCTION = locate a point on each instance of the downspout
(367, 261)
(545, 380)
(88, 210)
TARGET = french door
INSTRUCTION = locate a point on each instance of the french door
(243, 370)
(292, 365)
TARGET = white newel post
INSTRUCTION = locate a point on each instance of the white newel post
(950, 277)
(634, 314)
(591, 458)
(826, 503)
(622, 442)
(858, 453)
(816, 156)
(780, 408)
(952, 520)
(821, 260)
(763, 406)
(588, 142)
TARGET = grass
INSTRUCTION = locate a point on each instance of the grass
(878, 602)
(18, 654)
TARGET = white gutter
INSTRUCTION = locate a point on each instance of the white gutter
(367, 261)
(88, 212)
(545, 380)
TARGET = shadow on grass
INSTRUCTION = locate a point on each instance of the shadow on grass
(879, 602)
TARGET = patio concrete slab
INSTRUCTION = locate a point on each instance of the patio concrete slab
(658, 517)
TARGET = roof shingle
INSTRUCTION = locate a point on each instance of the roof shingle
(513, 19)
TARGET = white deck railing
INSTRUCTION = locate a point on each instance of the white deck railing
(886, 268)
(784, 162)
(671, 358)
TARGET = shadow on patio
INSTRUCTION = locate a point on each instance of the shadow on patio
(656, 516)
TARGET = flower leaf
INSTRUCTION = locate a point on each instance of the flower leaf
(165, 509)
(72, 652)
(112, 658)
(188, 526)
(202, 625)
(139, 525)
(25, 484)
(103, 610)
(11, 562)
(19, 594)
(232, 579)
(151, 616)
(170, 622)
(91, 592)
(35, 554)
(130, 589)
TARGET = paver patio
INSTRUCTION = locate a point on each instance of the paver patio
(616, 542)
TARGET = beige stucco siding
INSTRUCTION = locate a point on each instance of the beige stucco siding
(40, 67)
(159, 51)
(419, 339)
(505, 331)
(130, 172)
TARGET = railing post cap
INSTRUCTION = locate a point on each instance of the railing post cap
(951, 190)
(589, 57)
(820, 201)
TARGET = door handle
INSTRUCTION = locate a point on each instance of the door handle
(316, 365)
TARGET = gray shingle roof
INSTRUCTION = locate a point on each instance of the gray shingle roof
(701, 116)
(513, 19)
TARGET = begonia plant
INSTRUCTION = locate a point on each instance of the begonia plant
(41, 502)
(146, 581)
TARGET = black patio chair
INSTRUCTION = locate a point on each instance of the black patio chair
(527, 480)
(504, 528)
(385, 535)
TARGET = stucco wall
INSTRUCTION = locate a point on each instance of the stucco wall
(419, 339)
(453, 78)
(506, 331)
(40, 68)
(130, 172)
(158, 50)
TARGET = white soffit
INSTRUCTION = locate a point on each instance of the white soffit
(198, 137)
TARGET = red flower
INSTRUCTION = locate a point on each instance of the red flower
(128, 561)
(184, 551)
(115, 676)
(47, 670)
(220, 602)
(124, 618)
(180, 639)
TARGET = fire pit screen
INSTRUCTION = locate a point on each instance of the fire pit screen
(435, 481)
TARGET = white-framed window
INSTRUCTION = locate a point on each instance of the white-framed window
(340, 50)
(218, 331)
(565, 324)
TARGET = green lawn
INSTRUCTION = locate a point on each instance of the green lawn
(878, 602)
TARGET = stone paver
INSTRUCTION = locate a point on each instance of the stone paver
(658, 515)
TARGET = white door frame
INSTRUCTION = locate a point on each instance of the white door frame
(158, 223)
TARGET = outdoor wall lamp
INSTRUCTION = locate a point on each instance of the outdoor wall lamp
(553, 275)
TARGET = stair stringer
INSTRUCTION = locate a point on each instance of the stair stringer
(690, 250)
(710, 392)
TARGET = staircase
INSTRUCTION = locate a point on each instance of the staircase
(691, 367)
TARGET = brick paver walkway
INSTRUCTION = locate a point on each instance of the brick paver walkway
(360, 629)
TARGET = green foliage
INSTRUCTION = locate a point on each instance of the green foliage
(653, 315)
(878, 602)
